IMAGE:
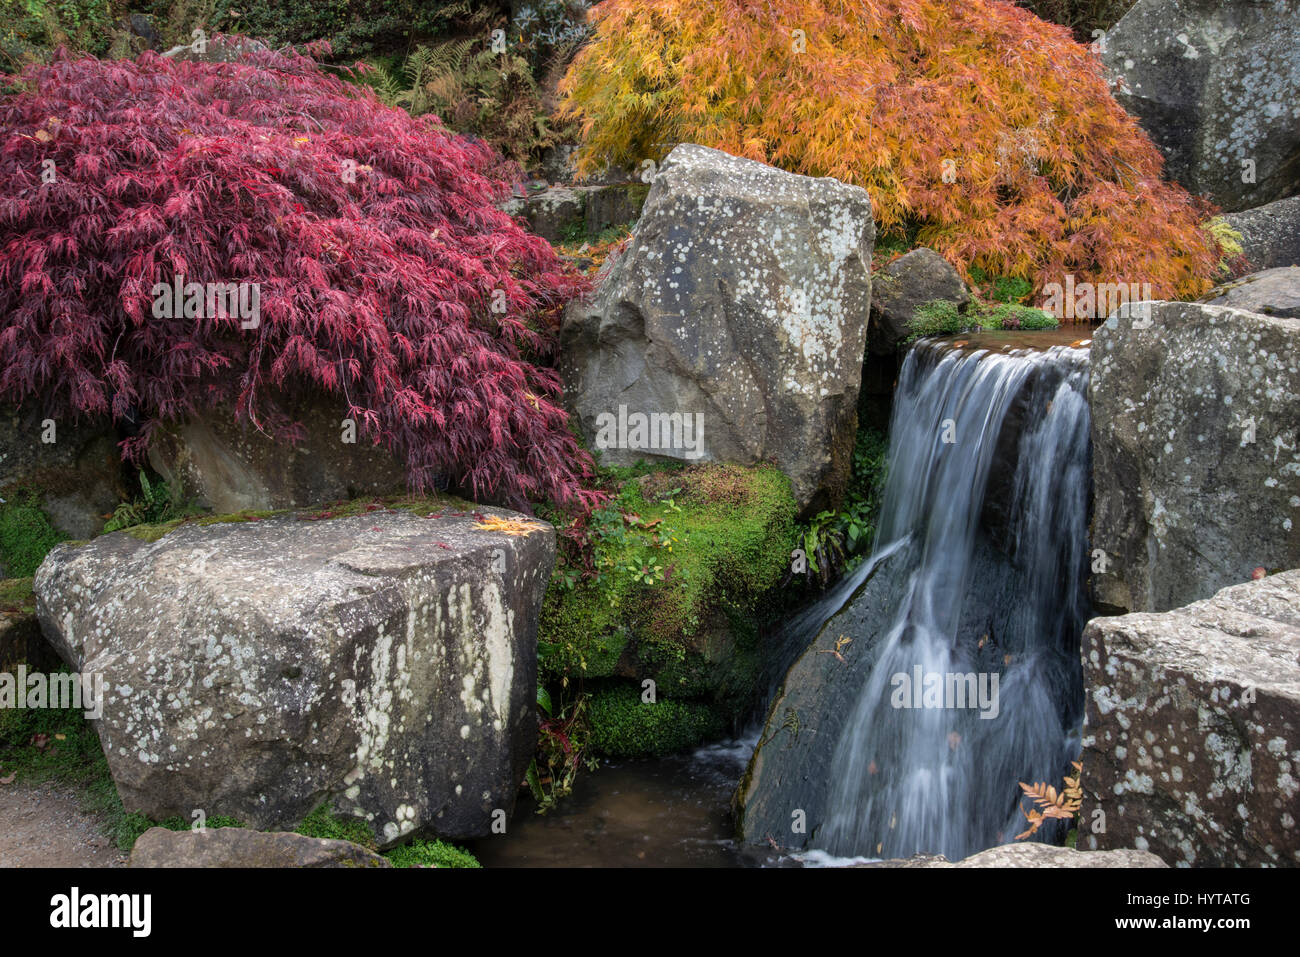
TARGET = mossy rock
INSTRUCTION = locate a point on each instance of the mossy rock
(625, 725)
(684, 557)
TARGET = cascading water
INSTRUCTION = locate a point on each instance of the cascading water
(987, 504)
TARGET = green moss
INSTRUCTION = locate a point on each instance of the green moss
(323, 823)
(622, 725)
(940, 317)
(431, 854)
(681, 557)
(16, 595)
(26, 535)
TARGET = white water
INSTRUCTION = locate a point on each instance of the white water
(943, 779)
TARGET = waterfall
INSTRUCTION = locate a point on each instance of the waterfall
(986, 503)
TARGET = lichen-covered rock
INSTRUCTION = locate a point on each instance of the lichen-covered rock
(230, 466)
(740, 307)
(1196, 457)
(254, 669)
(1271, 292)
(1033, 854)
(1216, 83)
(73, 467)
(1270, 234)
(902, 287)
(240, 847)
(1192, 742)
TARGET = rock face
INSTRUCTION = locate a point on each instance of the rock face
(254, 669)
(562, 212)
(1033, 854)
(1272, 292)
(902, 287)
(74, 466)
(229, 466)
(1270, 234)
(1216, 83)
(239, 847)
(1196, 461)
(1193, 728)
(741, 307)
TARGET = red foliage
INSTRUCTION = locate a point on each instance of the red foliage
(373, 237)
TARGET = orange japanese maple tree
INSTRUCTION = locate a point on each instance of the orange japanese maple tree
(978, 129)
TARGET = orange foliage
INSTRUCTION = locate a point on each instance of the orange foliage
(988, 133)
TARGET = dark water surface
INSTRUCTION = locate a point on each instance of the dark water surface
(670, 812)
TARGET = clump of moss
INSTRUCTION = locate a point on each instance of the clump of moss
(677, 560)
(431, 854)
(623, 725)
(26, 535)
(16, 595)
(940, 317)
(323, 823)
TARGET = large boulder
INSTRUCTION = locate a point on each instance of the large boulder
(1270, 234)
(1196, 457)
(1216, 83)
(909, 282)
(740, 307)
(1193, 729)
(230, 466)
(1271, 292)
(240, 847)
(72, 466)
(254, 669)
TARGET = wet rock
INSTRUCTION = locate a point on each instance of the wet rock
(902, 287)
(1033, 854)
(1193, 728)
(230, 466)
(254, 669)
(1272, 292)
(1270, 234)
(1196, 465)
(1216, 83)
(73, 466)
(741, 304)
(240, 847)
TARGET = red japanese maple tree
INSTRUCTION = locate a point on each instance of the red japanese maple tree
(385, 274)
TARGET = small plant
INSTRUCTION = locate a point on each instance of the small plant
(153, 507)
(562, 749)
(1047, 803)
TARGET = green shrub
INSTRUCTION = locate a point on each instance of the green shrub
(26, 535)
(622, 725)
